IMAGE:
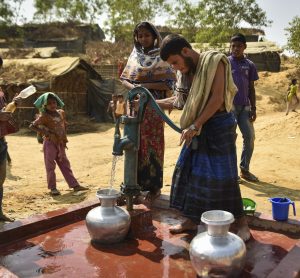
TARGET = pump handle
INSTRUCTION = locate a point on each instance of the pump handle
(145, 97)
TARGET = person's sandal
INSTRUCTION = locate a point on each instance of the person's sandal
(246, 175)
(80, 188)
(54, 192)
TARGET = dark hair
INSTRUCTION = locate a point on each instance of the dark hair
(238, 37)
(294, 80)
(145, 25)
(148, 27)
(173, 45)
(1, 62)
(50, 96)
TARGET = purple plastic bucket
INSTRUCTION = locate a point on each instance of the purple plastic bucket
(280, 208)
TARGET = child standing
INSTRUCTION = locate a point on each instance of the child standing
(292, 100)
(111, 109)
(121, 106)
(53, 129)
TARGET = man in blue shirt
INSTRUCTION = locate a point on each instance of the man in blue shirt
(244, 105)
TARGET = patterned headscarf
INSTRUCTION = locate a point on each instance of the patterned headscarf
(142, 67)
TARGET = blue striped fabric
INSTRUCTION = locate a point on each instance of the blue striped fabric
(205, 176)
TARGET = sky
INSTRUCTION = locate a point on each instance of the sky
(281, 12)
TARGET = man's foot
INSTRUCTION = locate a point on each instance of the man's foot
(80, 188)
(5, 218)
(54, 192)
(246, 175)
(187, 225)
(244, 233)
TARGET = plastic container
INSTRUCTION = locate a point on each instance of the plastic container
(11, 107)
(25, 93)
(249, 206)
(280, 208)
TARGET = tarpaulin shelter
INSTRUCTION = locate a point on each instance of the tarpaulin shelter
(82, 89)
(264, 54)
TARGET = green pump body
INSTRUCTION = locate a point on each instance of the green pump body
(129, 143)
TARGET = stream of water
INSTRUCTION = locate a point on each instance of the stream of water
(113, 173)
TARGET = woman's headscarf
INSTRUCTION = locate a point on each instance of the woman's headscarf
(147, 67)
(151, 28)
(41, 102)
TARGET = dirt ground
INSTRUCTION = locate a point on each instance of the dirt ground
(276, 159)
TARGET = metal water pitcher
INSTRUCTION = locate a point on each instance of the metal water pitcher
(217, 252)
(108, 223)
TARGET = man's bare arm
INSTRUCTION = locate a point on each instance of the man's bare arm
(216, 99)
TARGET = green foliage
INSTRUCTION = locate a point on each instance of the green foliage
(71, 10)
(124, 15)
(6, 13)
(293, 42)
(215, 21)
(187, 19)
(10, 14)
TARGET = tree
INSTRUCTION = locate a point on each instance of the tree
(121, 15)
(68, 10)
(124, 15)
(293, 42)
(6, 13)
(187, 19)
(217, 20)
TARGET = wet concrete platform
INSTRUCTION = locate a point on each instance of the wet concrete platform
(149, 251)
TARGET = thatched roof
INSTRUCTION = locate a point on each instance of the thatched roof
(38, 70)
(28, 53)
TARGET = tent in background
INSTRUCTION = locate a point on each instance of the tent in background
(264, 54)
(71, 78)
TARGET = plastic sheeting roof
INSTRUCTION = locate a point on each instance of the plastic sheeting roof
(55, 66)
(252, 47)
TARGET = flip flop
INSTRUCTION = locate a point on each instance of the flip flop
(249, 177)
(54, 192)
(80, 188)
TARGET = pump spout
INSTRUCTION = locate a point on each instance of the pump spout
(121, 144)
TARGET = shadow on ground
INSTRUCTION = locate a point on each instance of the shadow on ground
(273, 190)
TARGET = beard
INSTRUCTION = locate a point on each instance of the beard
(190, 65)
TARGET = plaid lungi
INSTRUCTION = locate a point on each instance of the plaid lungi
(205, 177)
